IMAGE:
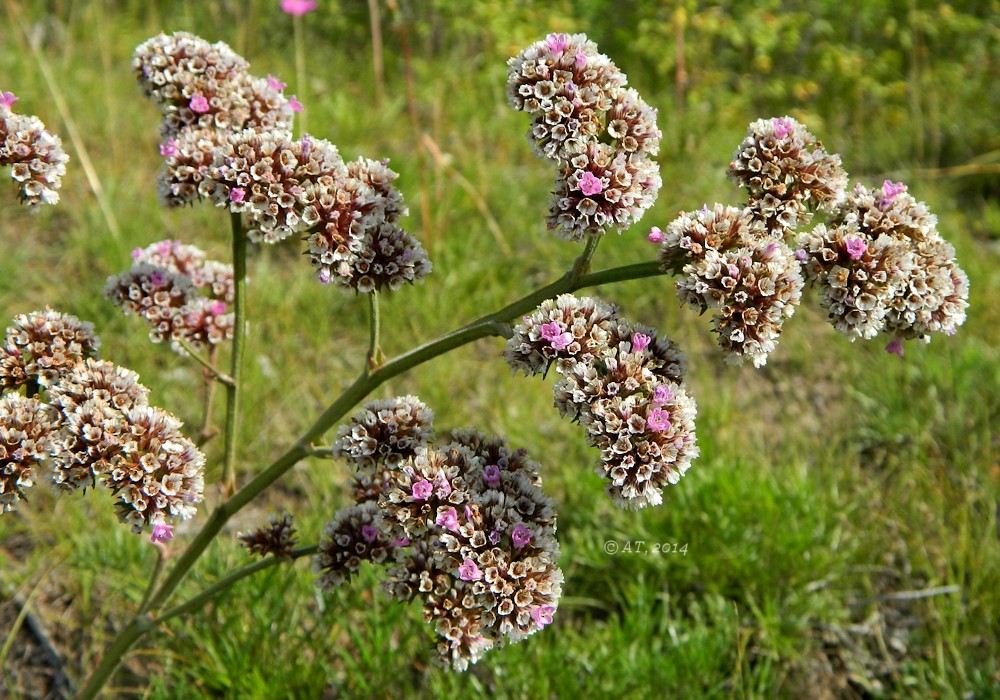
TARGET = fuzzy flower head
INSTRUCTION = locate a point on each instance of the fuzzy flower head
(787, 172)
(43, 346)
(36, 156)
(101, 380)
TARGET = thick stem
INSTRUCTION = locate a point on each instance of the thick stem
(138, 626)
(491, 324)
(233, 389)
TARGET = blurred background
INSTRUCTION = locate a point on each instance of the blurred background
(842, 521)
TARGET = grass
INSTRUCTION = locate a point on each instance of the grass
(831, 482)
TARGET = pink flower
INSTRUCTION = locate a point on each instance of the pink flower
(889, 192)
(542, 615)
(298, 7)
(557, 42)
(662, 394)
(491, 475)
(658, 420)
(493, 537)
(199, 104)
(442, 485)
(468, 571)
(655, 235)
(294, 104)
(550, 331)
(801, 255)
(562, 341)
(7, 99)
(639, 342)
(136, 253)
(169, 148)
(580, 60)
(895, 347)
(217, 308)
(589, 184)
(237, 194)
(422, 490)
(369, 533)
(401, 542)
(161, 533)
(275, 84)
(448, 519)
(521, 535)
(157, 279)
(783, 126)
(855, 247)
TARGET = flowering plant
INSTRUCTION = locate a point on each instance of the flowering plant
(460, 522)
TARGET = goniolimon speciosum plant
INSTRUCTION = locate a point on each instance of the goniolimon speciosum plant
(459, 521)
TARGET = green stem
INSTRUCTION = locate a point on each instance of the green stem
(207, 364)
(138, 626)
(374, 351)
(222, 584)
(157, 570)
(239, 338)
(491, 324)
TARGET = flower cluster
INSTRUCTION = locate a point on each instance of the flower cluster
(25, 426)
(380, 437)
(42, 346)
(198, 85)
(276, 538)
(879, 261)
(881, 266)
(35, 155)
(600, 134)
(730, 263)
(622, 384)
(787, 172)
(463, 526)
(87, 422)
(227, 139)
(179, 292)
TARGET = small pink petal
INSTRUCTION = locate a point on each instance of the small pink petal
(557, 42)
(199, 104)
(590, 184)
(237, 194)
(7, 99)
(161, 533)
(655, 235)
(895, 347)
(298, 7)
(294, 104)
(640, 341)
(369, 533)
(275, 84)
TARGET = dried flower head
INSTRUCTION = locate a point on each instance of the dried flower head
(188, 154)
(98, 380)
(565, 330)
(881, 265)
(276, 538)
(602, 187)
(730, 263)
(355, 534)
(36, 156)
(91, 437)
(156, 294)
(788, 173)
(42, 346)
(198, 85)
(25, 428)
(157, 474)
